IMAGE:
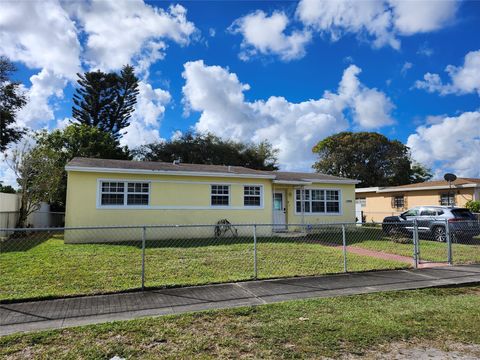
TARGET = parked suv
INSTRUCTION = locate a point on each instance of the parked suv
(431, 222)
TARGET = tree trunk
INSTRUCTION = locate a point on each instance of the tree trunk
(22, 218)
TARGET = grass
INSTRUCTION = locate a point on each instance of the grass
(52, 268)
(49, 268)
(332, 327)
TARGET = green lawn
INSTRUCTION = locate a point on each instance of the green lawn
(333, 327)
(50, 268)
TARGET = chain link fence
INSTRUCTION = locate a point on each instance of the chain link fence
(53, 262)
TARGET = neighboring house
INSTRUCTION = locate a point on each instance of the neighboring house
(10, 211)
(120, 192)
(378, 202)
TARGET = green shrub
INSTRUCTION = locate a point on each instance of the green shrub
(473, 206)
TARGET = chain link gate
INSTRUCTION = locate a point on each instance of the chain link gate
(432, 244)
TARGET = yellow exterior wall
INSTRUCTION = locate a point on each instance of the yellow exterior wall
(188, 202)
(347, 192)
(379, 205)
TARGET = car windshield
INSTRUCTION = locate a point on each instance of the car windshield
(411, 212)
(463, 214)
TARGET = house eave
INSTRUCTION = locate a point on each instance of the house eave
(367, 190)
(291, 182)
(333, 181)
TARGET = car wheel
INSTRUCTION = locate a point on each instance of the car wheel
(439, 234)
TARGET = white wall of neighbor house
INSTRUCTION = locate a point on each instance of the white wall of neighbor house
(10, 208)
(9, 202)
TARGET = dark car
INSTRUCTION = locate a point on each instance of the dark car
(432, 223)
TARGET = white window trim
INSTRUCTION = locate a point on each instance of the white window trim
(99, 206)
(125, 194)
(261, 206)
(340, 203)
(229, 196)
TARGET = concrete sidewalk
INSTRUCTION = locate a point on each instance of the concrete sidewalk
(61, 313)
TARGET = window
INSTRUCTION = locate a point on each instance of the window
(252, 196)
(447, 199)
(428, 212)
(361, 201)
(317, 201)
(137, 194)
(398, 202)
(116, 193)
(411, 212)
(220, 195)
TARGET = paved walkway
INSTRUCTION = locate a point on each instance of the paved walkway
(61, 313)
(388, 256)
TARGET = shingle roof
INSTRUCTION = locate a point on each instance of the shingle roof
(302, 176)
(459, 181)
(153, 166)
(162, 166)
(436, 184)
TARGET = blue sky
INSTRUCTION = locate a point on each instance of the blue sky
(288, 72)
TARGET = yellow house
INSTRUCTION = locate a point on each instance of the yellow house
(104, 192)
(378, 202)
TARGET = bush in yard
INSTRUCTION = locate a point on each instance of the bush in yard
(473, 206)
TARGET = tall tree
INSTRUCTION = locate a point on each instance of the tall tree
(369, 157)
(11, 100)
(210, 149)
(37, 175)
(76, 141)
(106, 100)
(7, 189)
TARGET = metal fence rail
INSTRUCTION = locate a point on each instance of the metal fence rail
(46, 262)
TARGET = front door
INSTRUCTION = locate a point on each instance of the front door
(279, 211)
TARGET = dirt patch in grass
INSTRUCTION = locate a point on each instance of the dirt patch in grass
(421, 350)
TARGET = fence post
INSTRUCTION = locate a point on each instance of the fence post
(344, 238)
(416, 252)
(144, 230)
(255, 273)
(449, 243)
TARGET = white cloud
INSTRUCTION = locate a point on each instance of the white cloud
(378, 21)
(407, 66)
(371, 108)
(134, 31)
(145, 122)
(263, 34)
(292, 127)
(41, 35)
(449, 144)
(463, 79)
(425, 50)
(412, 17)
(38, 110)
(44, 35)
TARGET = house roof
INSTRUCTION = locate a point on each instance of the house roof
(427, 185)
(147, 167)
(283, 176)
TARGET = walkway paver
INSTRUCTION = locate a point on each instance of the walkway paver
(389, 256)
(61, 313)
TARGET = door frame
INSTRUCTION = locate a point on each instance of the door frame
(276, 225)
